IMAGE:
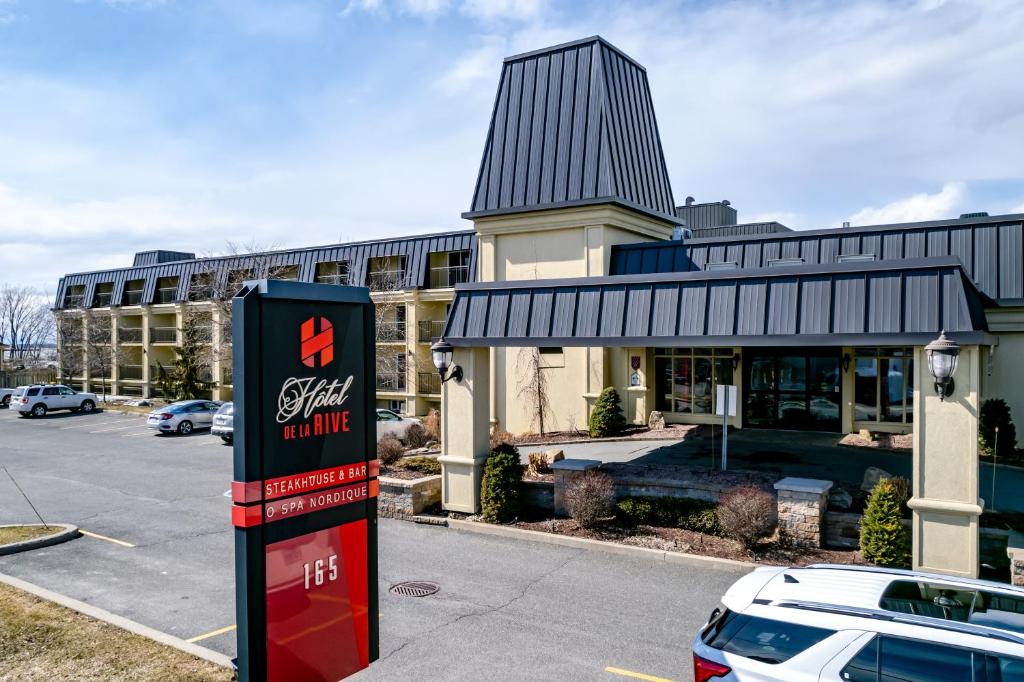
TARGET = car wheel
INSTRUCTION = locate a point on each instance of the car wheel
(226, 439)
(88, 406)
(39, 410)
(185, 428)
(6, 402)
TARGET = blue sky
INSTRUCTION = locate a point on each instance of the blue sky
(134, 124)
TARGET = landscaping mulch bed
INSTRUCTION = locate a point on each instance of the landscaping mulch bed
(899, 442)
(399, 473)
(632, 432)
(690, 542)
(40, 640)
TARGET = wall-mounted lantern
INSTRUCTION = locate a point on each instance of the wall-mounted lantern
(942, 359)
(846, 362)
(735, 361)
(441, 353)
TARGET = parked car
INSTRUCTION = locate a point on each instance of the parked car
(861, 624)
(224, 422)
(38, 399)
(5, 397)
(389, 423)
(184, 417)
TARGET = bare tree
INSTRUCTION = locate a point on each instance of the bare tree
(70, 347)
(387, 286)
(533, 386)
(101, 354)
(25, 323)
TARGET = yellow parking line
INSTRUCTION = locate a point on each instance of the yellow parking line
(214, 633)
(104, 537)
(636, 676)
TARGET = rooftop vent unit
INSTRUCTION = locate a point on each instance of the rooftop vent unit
(978, 214)
(681, 233)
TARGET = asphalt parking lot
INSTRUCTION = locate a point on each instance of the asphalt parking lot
(160, 552)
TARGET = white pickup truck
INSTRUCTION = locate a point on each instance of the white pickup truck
(5, 397)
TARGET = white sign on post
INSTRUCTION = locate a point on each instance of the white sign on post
(725, 405)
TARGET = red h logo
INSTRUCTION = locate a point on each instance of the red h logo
(314, 344)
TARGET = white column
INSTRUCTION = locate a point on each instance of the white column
(465, 412)
(945, 504)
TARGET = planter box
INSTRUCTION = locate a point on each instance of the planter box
(401, 499)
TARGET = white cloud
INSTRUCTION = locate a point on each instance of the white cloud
(943, 204)
(493, 10)
(478, 68)
(424, 8)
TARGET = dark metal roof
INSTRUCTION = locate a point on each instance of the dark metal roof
(743, 229)
(573, 125)
(416, 251)
(707, 214)
(991, 250)
(825, 305)
(161, 256)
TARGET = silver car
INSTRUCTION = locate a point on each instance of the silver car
(183, 417)
(224, 422)
(391, 424)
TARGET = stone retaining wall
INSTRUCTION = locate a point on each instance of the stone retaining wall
(402, 499)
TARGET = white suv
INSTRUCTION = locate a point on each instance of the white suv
(37, 400)
(860, 624)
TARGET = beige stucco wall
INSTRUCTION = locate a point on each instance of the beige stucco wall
(1002, 375)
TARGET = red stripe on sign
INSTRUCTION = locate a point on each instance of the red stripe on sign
(374, 468)
(312, 502)
(305, 482)
(246, 517)
(246, 493)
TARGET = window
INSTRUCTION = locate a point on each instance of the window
(64, 390)
(781, 262)
(761, 639)
(686, 378)
(883, 385)
(991, 609)
(32, 391)
(332, 272)
(855, 257)
(552, 357)
(51, 390)
(285, 272)
(864, 666)
(397, 406)
(728, 265)
(905, 660)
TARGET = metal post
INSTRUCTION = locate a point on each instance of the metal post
(995, 459)
(725, 432)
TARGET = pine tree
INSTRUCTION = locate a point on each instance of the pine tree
(499, 494)
(884, 540)
(184, 381)
(606, 419)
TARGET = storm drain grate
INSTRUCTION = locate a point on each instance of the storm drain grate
(415, 589)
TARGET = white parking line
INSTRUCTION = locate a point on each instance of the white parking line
(212, 442)
(136, 435)
(116, 428)
(92, 425)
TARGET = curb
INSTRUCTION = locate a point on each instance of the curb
(598, 545)
(597, 441)
(69, 532)
(119, 621)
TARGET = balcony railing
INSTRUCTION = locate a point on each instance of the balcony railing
(449, 276)
(333, 279)
(429, 331)
(133, 297)
(387, 280)
(163, 335)
(428, 383)
(101, 300)
(391, 331)
(129, 335)
(391, 381)
(166, 295)
(74, 300)
(226, 377)
(130, 372)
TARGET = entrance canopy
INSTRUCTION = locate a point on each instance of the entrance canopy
(883, 303)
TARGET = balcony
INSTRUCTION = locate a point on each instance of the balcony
(391, 332)
(204, 334)
(447, 277)
(74, 300)
(391, 381)
(131, 372)
(337, 280)
(133, 297)
(387, 280)
(429, 331)
(166, 294)
(101, 300)
(129, 335)
(163, 335)
(428, 383)
(226, 377)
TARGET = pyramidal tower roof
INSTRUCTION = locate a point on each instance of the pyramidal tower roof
(573, 125)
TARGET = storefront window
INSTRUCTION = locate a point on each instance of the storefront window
(686, 379)
(884, 390)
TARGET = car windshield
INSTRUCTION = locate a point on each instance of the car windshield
(227, 408)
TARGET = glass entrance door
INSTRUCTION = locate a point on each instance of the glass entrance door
(788, 390)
